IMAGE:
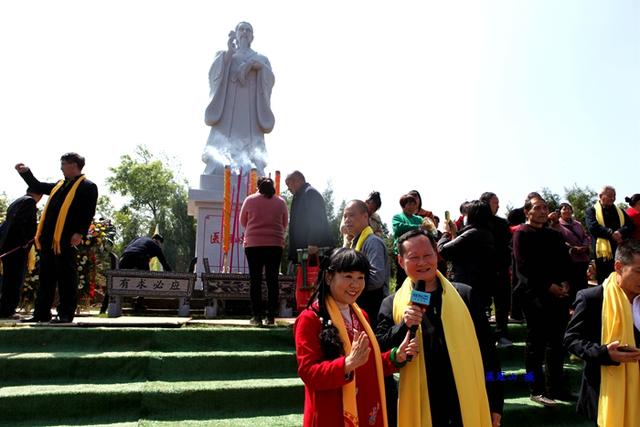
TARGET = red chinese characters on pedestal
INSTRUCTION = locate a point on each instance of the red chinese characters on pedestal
(215, 238)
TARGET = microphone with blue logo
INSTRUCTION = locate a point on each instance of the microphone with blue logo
(420, 298)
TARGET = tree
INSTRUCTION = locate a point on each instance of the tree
(180, 231)
(4, 204)
(154, 198)
(104, 208)
(149, 185)
(580, 199)
(552, 199)
(334, 217)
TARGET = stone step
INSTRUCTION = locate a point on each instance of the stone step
(158, 400)
(108, 367)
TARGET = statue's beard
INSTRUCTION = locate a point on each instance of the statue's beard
(244, 41)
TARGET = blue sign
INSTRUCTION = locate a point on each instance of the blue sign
(420, 298)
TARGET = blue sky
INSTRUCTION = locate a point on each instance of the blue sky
(451, 99)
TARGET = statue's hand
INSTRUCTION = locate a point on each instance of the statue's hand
(242, 73)
(231, 43)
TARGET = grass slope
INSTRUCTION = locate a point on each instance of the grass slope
(190, 376)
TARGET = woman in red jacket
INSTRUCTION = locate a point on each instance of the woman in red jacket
(339, 360)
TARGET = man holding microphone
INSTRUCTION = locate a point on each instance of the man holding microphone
(458, 355)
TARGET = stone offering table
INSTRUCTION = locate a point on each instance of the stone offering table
(151, 284)
(219, 287)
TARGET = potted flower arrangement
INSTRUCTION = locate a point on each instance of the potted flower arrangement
(93, 259)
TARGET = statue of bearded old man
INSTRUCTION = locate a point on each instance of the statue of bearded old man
(240, 110)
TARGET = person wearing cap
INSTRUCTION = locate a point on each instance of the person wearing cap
(65, 220)
(16, 235)
(140, 251)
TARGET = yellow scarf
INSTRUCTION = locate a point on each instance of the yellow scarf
(620, 385)
(31, 259)
(363, 236)
(466, 362)
(603, 246)
(349, 402)
(62, 215)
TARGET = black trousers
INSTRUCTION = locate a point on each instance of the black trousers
(57, 271)
(502, 302)
(578, 278)
(267, 258)
(547, 319)
(14, 267)
(603, 269)
(134, 263)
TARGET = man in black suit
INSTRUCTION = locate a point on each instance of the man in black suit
(583, 335)
(64, 222)
(609, 225)
(308, 223)
(16, 233)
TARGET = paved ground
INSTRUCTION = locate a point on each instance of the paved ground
(92, 318)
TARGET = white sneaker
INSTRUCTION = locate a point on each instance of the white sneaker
(543, 400)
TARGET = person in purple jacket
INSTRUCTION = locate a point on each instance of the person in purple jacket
(578, 243)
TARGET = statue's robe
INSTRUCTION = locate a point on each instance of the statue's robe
(239, 114)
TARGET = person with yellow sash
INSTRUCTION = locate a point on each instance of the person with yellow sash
(356, 221)
(609, 225)
(604, 333)
(64, 222)
(454, 380)
(338, 356)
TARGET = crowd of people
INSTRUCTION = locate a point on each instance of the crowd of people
(433, 328)
(534, 265)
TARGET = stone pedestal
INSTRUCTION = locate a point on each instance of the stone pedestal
(206, 205)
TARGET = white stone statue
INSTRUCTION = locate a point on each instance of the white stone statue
(240, 110)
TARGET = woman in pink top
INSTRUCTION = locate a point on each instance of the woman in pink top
(634, 213)
(264, 218)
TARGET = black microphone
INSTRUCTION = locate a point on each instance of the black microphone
(420, 298)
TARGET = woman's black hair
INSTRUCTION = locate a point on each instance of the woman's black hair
(374, 196)
(478, 213)
(266, 187)
(487, 196)
(340, 260)
(633, 199)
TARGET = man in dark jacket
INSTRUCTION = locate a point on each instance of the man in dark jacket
(64, 222)
(542, 266)
(139, 252)
(609, 225)
(583, 336)
(16, 233)
(308, 223)
(418, 256)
